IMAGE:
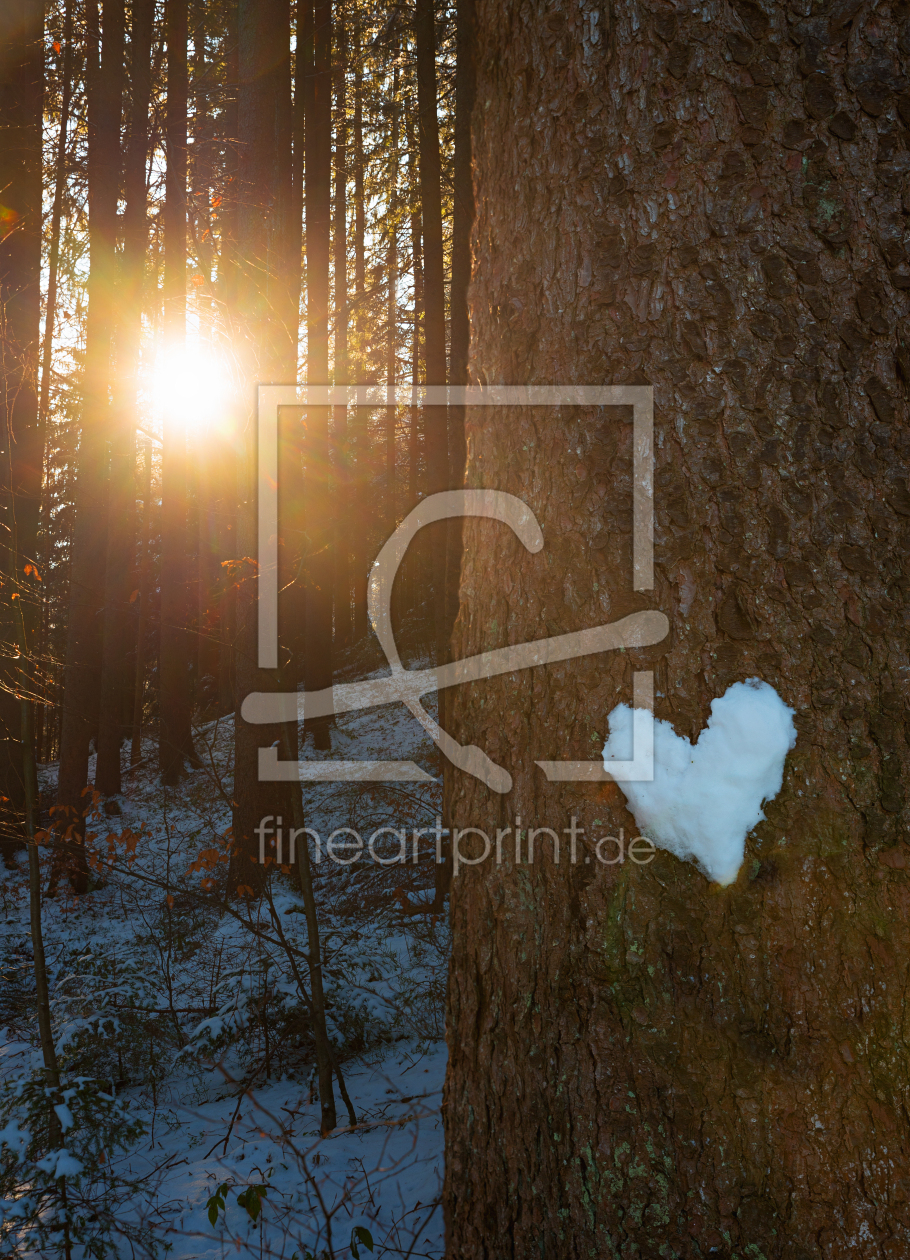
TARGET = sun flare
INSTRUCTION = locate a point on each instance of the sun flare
(191, 388)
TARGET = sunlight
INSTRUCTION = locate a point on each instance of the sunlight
(191, 387)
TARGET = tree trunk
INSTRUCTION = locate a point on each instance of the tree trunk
(436, 419)
(42, 717)
(434, 301)
(391, 346)
(142, 619)
(318, 180)
(89, 544)
(643, 1063)
(342, 542)
(21, 102)
(121, 505)
(462, 222)
(360, 435)
(267, 350)
(228, 291)
(175, 740)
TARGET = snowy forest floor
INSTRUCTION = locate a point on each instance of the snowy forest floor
(185, 1005)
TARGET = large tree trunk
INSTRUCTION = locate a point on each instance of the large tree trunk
(89, 544)
(121, 506)
(643, 1063)
(21, 100)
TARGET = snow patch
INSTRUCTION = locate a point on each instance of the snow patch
(706, 797)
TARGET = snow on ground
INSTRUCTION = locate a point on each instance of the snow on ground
(193, 1014)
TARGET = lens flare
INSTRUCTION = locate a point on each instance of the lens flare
(191, 389)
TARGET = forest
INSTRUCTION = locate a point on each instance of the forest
(454, 663)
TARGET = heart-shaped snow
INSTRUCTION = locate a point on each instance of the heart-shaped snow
(705, 798)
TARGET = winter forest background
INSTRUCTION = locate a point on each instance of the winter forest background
(550, 1055)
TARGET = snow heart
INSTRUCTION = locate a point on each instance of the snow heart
(706, 797)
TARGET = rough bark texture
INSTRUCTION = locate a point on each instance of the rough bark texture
(643, 1064)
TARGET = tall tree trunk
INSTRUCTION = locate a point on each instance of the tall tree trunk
(435, 418)
(175, 739)
(143, 618)
(42, 717)
(391, 345)
(228, 277)
(267, 350)
(89, 544)
(342, 541)
(359, 418)
(462, 222)
(416, 419)
(121, 505)
(318, 180)
(21, 102)
(679, 1068)
(434, 301)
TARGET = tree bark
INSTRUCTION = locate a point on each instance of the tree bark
(462, 222)
(642, 1063)
(266, 348)
(122, 498)
(89, 544)
(142, 618)
(360, 435)
(389, 516)
(50, 318)
(175, 740)
(228, 289)
(318, 181)
(21, 450)
(342, 542)
(434, 303)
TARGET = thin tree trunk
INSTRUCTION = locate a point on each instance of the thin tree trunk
(142, 619)
(314, 960)
(21, 448)
(89, 543)
(682, 1068)
(417, 567)
(435, 418)
(360, 434)
(342, 542)
(175, 739)
(462, 224)
(228, 291)
(50, 319)
(318, 179)
(303, 83)
(121, 505)
(391, 370)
